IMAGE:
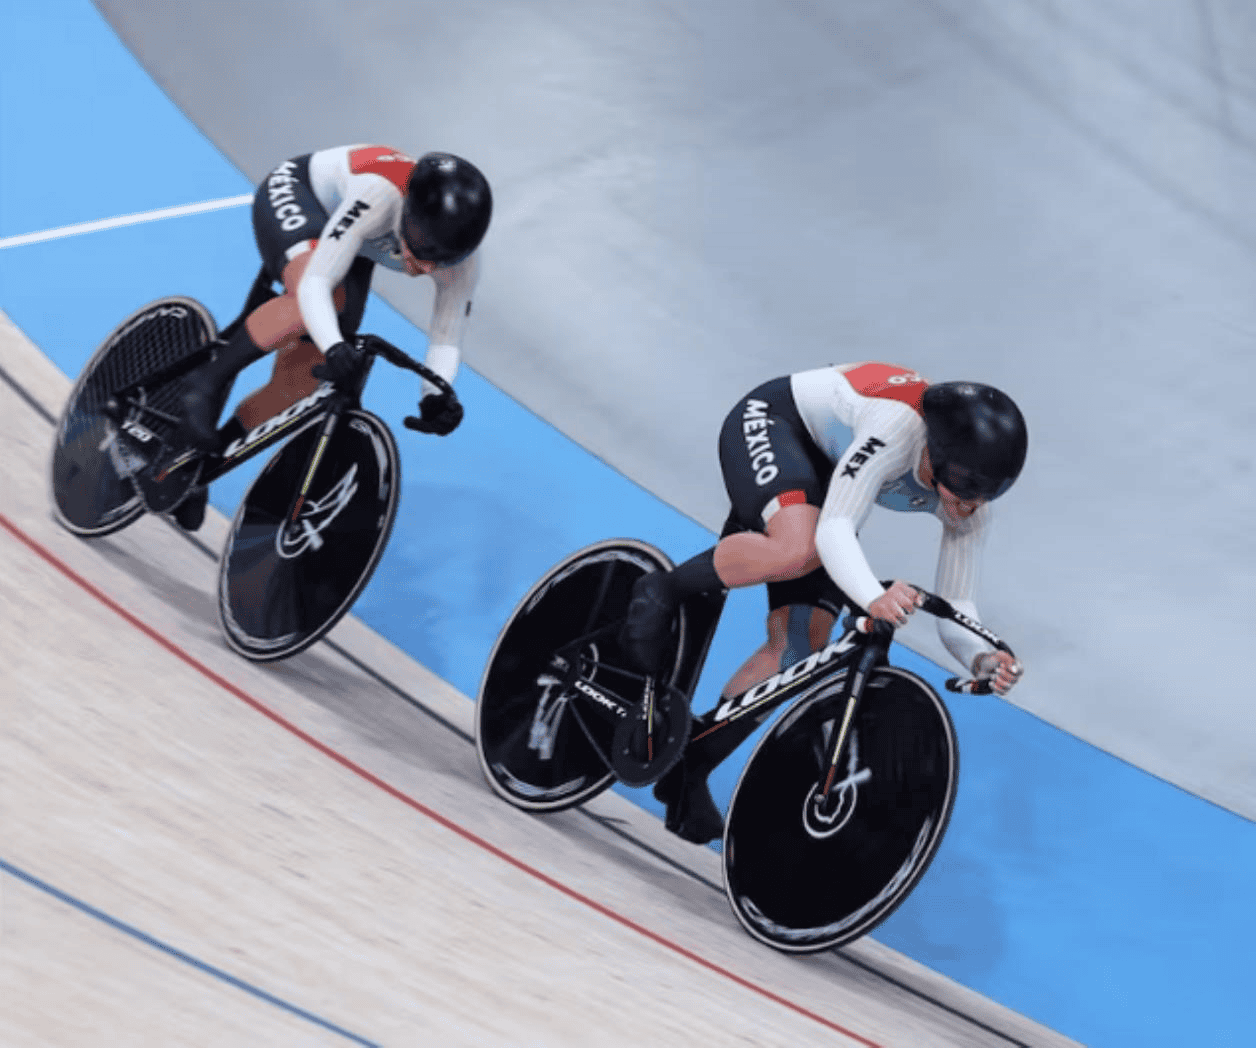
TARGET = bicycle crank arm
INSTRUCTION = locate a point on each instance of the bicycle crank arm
(648, 703)
(651, 738)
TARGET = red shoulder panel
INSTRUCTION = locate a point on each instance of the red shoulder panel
(890, 382)
(380, 160)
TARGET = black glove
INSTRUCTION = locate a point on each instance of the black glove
(439, 413)
(343, 361)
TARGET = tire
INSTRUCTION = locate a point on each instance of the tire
(801, 885)
(563, 606)
(279, 591)
(90, 497)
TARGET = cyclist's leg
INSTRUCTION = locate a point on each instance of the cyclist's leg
(289, 382)
(794, 632)
(287, 220)
(784, 549)
(801, 616)
(773, 472)
(278, 325)
(800, 620)
(775, 476)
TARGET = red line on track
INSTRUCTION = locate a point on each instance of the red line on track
(56, 562)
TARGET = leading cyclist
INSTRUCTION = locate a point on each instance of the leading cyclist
(322, 221)
(804, 458)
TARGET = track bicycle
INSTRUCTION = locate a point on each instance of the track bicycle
(844, 800)
(313, 525)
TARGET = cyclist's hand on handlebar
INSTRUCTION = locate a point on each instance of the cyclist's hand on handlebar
(999, 668)
(439, 413)
(895, 604)
(343, 360)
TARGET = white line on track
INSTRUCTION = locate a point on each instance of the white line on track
(126, 220)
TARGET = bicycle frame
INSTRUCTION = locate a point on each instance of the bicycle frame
(851, 657)
(865, 642)
(327, 401)
(576, 671)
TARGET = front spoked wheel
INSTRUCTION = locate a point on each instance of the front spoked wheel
(93, 460)
(806, 871)
(541, 743)
(284, 583)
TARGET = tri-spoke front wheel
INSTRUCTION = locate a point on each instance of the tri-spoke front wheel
(290, 571)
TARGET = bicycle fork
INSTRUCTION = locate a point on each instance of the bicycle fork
(340, 400)
(316, 456)
(831, 788)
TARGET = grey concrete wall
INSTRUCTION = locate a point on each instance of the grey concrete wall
(693, 196)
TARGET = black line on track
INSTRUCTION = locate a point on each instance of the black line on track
(21, 391)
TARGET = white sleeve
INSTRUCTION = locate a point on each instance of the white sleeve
(880, 450)
(366, 211)
(450, 312)
(314, 296)
(844, 560)
(959, 565)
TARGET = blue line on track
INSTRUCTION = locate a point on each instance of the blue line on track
(188, 959)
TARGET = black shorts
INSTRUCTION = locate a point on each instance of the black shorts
(769, 460)
(286, 213)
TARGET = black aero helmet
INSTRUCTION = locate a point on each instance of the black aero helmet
(976, 438)
(447, 209)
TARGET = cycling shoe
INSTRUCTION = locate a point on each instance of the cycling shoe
(648, 627)
(190, 513)
(691, 811)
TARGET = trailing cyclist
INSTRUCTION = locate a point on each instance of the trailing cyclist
(322, 221)
(804, 458)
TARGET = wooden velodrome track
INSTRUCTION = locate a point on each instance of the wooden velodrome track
(199, 851)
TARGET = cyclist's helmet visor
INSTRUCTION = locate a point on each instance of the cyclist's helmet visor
(427, 248)
(969, 485)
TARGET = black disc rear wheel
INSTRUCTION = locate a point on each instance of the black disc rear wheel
(805, 872)
(283, 584)
(92, 490)
(541, 744)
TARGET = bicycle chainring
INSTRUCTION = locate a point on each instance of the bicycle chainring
(640, 756)
(168, 481)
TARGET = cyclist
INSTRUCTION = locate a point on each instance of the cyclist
(804, 458)
(322, 221)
